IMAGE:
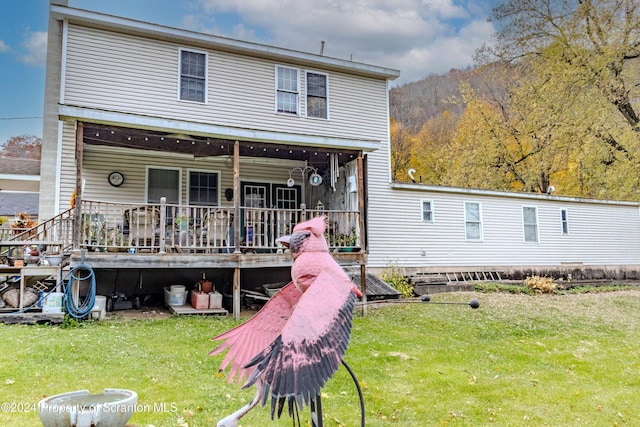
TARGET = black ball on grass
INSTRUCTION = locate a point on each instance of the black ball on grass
(425, 298)
(474, 303)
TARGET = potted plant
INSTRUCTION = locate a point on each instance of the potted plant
(182, 221)
(115, 241)
(347, 241)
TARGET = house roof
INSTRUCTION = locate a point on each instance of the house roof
(13, 202)
(18, 174)
(130, 26)
(505, 194)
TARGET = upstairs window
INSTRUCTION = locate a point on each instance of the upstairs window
(287, 90)
(472, 221)
(193, 76)
(427, 211)
(530, 223)
(317, 95)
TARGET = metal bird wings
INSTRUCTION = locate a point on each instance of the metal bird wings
(297, 341)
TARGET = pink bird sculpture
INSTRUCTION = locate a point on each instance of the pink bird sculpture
(297, 341)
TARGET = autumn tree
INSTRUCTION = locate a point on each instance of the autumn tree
(581, 88)
(401, 142)
(23, 146)
(432, 146)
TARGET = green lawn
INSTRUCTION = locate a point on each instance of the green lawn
(519, 360)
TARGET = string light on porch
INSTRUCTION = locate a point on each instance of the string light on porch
(314, 178)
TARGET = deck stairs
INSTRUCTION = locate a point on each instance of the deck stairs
(451, 281)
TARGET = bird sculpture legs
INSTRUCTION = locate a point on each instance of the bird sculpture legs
(315, 405)
(232, 420)
(316, 412)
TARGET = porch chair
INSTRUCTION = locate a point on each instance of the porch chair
(217, 226)
(143, 224)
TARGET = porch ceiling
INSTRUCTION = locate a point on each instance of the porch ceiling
(199, 146)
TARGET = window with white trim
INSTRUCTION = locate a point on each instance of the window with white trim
(530, 223)
(193, 76)
(472, 221)
(287, 90)
(317, 105)
(427, 210)
(564, 221)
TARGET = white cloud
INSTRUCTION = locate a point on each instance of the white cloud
(418, 37)
(34, 49)
(3, 47)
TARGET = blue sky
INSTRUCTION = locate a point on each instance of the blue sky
(417, 37)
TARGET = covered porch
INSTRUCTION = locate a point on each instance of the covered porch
(260, 190)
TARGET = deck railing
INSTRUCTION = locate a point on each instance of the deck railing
(165, 227)
(54, 233)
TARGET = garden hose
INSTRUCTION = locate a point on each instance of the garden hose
(81, 310)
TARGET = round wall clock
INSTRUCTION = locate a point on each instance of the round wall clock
(116, 179)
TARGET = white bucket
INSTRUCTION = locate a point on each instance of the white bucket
(99, 309)
(175, 297)
(52, 303)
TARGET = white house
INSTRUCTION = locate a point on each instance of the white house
(195, 152)
(432, 229)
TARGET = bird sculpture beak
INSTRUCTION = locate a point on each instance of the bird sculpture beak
(284, 241)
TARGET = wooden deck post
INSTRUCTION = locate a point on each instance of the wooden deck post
(77, 211)
(361, 208)
(236, 197)
(236, 294)
(163, 225)
(363, 288)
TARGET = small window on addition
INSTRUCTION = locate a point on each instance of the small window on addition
(427, 210)
(564, 220)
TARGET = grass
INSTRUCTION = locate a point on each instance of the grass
(519, 360)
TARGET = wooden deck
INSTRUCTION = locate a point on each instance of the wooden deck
(198, 260)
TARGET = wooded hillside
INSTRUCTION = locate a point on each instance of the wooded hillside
(553, 105)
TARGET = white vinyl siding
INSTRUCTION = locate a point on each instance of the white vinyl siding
(104, 72)
(473, 221)
(99, 161)
(193, 76)
(287, 90)
(600, 232)
(427, 210)
(317, 88)
(530, 223)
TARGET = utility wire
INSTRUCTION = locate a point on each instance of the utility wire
(20, 118)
